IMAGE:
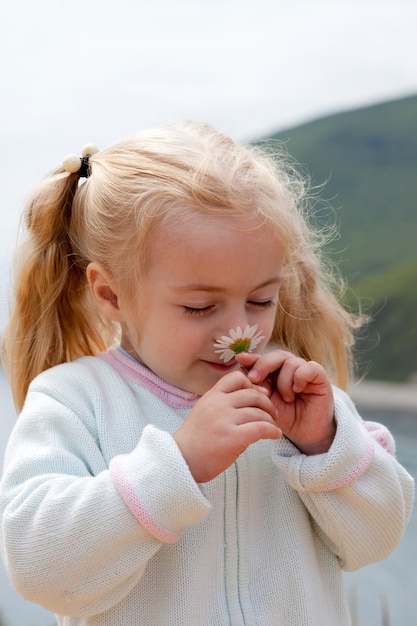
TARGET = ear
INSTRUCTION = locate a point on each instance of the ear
(104, 291)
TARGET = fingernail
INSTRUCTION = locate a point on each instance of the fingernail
(253, 374)
(264, 390)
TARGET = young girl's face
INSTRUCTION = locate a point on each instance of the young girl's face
(204, 278)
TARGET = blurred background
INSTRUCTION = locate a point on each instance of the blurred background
(336, 80)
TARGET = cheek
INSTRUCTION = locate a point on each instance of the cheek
(268, 325)
(173, 336)
(187, 335)
(191, 337)
(268, 318)
(138, 326)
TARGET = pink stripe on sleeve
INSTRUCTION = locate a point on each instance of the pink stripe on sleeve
(135, 505)
(382, 435)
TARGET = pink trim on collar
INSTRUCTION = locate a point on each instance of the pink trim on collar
(129, 368)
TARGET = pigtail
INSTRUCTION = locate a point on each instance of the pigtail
(52, 319)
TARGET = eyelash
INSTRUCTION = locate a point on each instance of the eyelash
(194, 311)
(264, 305)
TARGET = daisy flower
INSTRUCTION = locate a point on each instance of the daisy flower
(239, 341)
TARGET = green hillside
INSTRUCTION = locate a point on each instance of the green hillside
(367, 161)
(390, 347)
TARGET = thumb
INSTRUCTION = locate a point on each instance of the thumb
(247, 359)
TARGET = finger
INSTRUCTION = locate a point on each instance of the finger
(252, 398)
(265, 387)
(285, 378)
(251, 432)
(246, 415)
(309, 376)
(266, 364)
(247, 359)
(239, 380)
(232, 382)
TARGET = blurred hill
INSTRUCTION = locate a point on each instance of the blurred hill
(367, 161)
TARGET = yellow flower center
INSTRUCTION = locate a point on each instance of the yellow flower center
(240, 345)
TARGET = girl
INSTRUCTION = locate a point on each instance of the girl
(151, 480)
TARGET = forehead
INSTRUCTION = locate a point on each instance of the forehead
(215, 251)
(185, 228)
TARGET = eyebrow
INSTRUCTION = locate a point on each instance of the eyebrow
(212, 289)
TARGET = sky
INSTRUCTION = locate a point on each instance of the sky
(94, 71)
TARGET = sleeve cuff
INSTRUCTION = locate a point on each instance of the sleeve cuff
(157, 486)
(349, 456)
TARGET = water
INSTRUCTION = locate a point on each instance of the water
(391, 584)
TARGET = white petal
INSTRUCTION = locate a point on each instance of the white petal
(236, 334)
(227, 355)
(247, 333)
(223, 343)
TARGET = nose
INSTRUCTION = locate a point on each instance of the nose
(231, 321)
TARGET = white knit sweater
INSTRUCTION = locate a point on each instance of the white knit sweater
(102, 521)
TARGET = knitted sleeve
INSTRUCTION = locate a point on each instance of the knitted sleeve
(75, 535)
(360, 498)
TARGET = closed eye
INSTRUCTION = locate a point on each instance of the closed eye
(197, 311)
(263, 305)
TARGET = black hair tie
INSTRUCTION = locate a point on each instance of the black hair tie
(72, 163)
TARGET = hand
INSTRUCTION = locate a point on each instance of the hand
(223, 423)
(301, 394)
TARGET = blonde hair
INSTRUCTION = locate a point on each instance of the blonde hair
(110, 219)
